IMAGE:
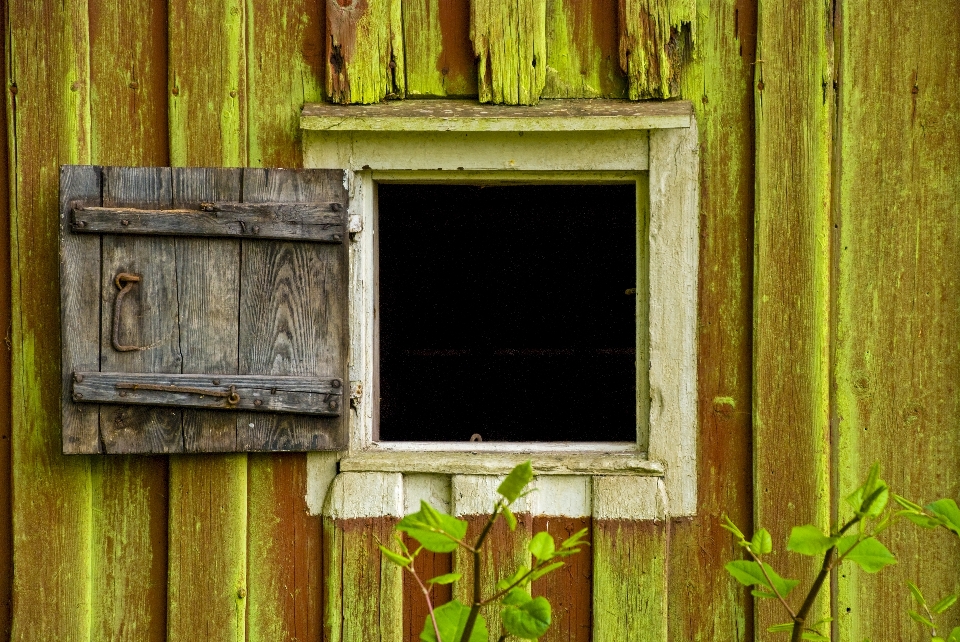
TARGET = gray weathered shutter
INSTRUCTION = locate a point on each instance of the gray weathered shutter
(203, 310)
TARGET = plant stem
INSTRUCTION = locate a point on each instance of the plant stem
(426, 596)
(475, 607)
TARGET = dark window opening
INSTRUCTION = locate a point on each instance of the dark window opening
(504, 312)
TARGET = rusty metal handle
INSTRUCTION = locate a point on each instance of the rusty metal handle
(124, 282)
(232, 396)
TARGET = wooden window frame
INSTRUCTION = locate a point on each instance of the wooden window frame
(653, 145)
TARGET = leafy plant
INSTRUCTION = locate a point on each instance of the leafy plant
(930, 612)
(855, 541)
(520, 615)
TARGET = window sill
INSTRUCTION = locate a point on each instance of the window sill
(548, 458)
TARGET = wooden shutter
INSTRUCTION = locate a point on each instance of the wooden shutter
(203, 310)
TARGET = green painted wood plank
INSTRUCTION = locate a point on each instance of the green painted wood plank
(582, 50)
(657, 39)
(436, 43)
(898, 304)
(629, 580)
(285, 44)
(48, 124)
(364, 51)
(509, 40)
(207, 588)
(704, 604)
(791, 322)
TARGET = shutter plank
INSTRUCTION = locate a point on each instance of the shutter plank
(79, 312)
(148, 316)
(292, 311)
(207, 270)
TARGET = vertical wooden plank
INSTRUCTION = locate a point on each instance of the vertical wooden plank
(79, 311)
(208, 495)
(48, 125)
(703, 603)
(897, 300)
(630, 544)
(657, 38)
(794, 105)
(361, 509)
(570, 588)
(436, 43)
(504, 552)
(6, 408)
(286, 46)
(434, 489)
(582, 50)
(148, 314)
(207, 276)
(509, 40)
(365, 55)
(128, 81)
(283, 332)
(207, 83)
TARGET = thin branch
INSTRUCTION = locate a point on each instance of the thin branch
(426, 596)
(756, 558)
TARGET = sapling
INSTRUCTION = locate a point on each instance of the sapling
(855, 540)
(521, 615)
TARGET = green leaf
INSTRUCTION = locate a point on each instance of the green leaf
(436, 531)
(954, 635)
(749, 573)
(399, 560)
(542, 546)
(919, 618)
(758, 593)
(446, 578)
(730, 526)
(451, 620)
(944, 604)
(869, 554)
(576, 539)
(525, 617)
(921, 520)
(906, 503)
(787, 627)
(762, 543)
(948, 512)
(917, 595)
(809, 540)
(507, 581)
(510, 517)
(813, 635)
(516, 481)
(540, 572)
(866, 500)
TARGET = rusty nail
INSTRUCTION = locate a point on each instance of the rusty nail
(332, 405)
(77, 395)
(335, 383)
(123, 393)
(216, 382)
(257, 402)
(335, 207)
(336, 237)
(77, 377)
(81, 223)
(273, 391)
(256, 229)
(124, 222)
(175, 91)
(233, 94)
(134, 85)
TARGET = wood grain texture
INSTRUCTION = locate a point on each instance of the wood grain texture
(282, 331)
(582, 46)
(365, 57)
(364, 601)
(6, 408)
(286, 51)
(128, 110)
(657, 38)
(791, 331)
(509, 40)
(79, 309)
(629, 580)
(208, 303)
(48, 123)
(436, 42)
(570, 588)
(897, 302)
(286, 591)
(207, 83)
(148, 314)
(427, 565)
(703, 603)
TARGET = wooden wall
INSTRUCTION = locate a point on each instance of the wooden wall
(829, 318)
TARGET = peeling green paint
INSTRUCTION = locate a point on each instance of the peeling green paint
(509, 40)
(657, 38)
(365, 56)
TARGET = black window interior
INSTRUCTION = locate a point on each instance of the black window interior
(504, 312)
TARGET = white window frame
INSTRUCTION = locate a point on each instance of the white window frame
(643, 143)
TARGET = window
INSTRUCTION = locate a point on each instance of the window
(406, 163)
